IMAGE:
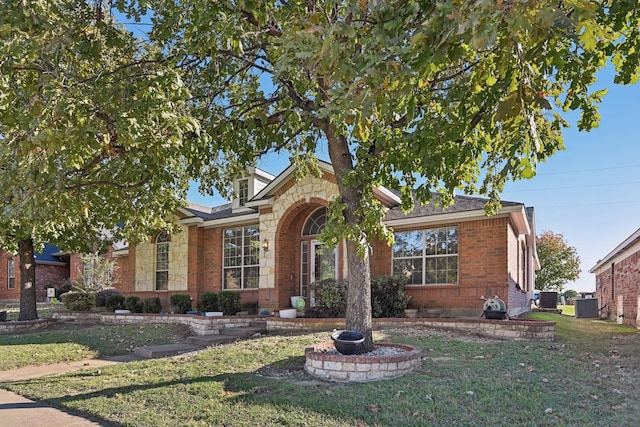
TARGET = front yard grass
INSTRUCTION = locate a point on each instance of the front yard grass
(46, 347)
(464, 381)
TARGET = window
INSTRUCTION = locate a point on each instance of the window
(241, 257)
(162, 261)
(243, 191)
(315, 223)
(11, 274)
(427, 257)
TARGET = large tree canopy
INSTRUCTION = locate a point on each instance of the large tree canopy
(432, 94)
(91, 131)
(559, 262)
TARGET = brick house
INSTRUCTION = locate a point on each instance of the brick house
(618, 282)
(52, 269)
(264, 246)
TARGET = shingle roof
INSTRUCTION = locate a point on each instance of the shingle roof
(461, 204)
(47, 254)
(217, 212)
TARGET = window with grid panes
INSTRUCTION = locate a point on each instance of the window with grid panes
(427, 257)
(241, 257)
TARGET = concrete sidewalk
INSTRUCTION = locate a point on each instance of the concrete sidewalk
(17, 411)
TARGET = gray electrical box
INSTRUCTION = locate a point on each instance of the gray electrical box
(586, 308)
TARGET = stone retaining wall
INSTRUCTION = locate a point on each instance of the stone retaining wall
(199, 325)
(26, 326)
(524, 330)
(519, 330)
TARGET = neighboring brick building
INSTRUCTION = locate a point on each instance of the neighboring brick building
(52, 269)
(618, 282)
(264, 245)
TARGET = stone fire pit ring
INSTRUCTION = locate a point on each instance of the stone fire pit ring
(323, 362)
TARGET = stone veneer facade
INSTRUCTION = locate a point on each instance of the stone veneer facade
(145, 261)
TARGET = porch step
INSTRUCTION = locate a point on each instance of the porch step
(155, 351)
(210, 340)
(243, 332)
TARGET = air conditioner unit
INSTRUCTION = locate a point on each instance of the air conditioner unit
(586, 308)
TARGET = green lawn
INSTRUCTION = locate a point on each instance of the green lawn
(45, 347)
(464, 381)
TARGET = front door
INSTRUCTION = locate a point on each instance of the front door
(318, 263)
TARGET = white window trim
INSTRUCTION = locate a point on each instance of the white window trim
(11, 273)
(157, 270)
(424, 256)
(242, 266)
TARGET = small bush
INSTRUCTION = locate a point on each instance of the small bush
(101, 296)
(115, 302)
(151, 305)
(208, 302)
(181, 303)
(133, 304)
(79, 301)
(229, 302)
(330, 298)
(64, 288)
(387, 296)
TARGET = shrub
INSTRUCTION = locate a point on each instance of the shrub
(64, 288)
(387, 296)
(151, 305)
(79, 300)
(181, 303)
(115, 302)
(133, 304)
(208, 302)
(330, 298)
(101, 296)
(229, 302)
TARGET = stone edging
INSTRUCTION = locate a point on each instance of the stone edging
(361, 368)
(24, 326)
(519, 330)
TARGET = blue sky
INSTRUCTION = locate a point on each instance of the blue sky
(589, 192)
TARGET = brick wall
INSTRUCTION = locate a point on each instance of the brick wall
(49, 276)
(5, 292)
(621, 281)
(482, 266)
(46, 275)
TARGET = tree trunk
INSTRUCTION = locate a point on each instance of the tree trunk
(359, 295)
(358, 266)
(27, 280)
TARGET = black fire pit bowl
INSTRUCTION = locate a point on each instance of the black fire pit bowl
(495, 315)
(347, 342)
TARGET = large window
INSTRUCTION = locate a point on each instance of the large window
(162, 261)
(427, 257)
(11, 273)
(241, 257)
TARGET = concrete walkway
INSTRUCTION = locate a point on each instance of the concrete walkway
(17, 411)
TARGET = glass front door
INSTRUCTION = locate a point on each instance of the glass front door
(317, 263)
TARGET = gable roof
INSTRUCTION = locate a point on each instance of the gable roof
(626, 244)
(464, 207)
(386, 196)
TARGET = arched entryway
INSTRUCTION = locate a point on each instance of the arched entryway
(317, 261)
(301, 258)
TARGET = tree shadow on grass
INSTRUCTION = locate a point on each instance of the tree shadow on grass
(275, 385)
